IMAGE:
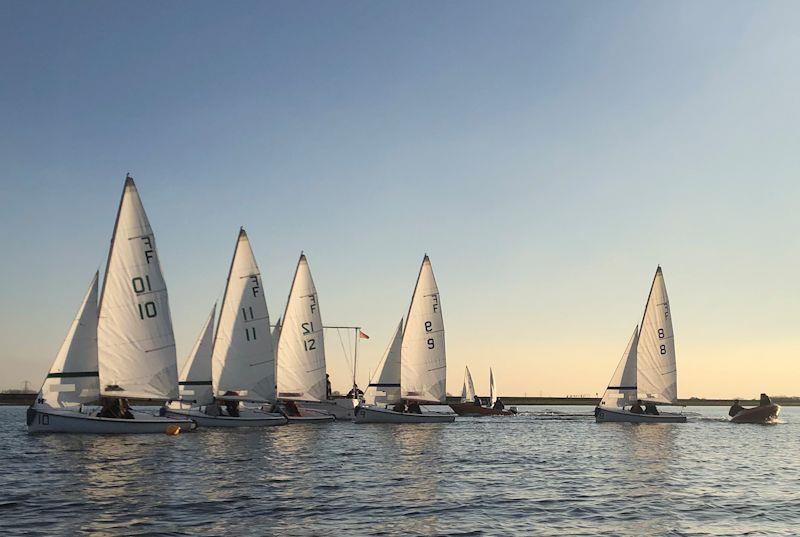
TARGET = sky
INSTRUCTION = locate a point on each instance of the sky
(546, 155)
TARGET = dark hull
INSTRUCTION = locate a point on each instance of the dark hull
(759, 414)
(471, 409)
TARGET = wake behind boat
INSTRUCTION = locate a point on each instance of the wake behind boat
(647, 371)
(122, 348)
(415, 363)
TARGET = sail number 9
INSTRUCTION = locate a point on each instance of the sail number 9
(431, 343)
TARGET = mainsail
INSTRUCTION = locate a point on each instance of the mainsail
(385, 386)
(136, 346)
(657, 373)
(468, 390)
(621, 390)
(301, 347)
(492, 389)
(72, 379)
(195, 378)
(423, 362)
(243, 360)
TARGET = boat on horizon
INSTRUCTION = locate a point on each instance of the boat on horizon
(422, 372)
(120, 347)
(647, 370)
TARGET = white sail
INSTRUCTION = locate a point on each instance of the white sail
(468, 390)
(621, 390)
(73, 378)
(384, 387)
(195, 377)
(243, 359)
(492, 388)
(136, 346)
(301, 347)
(657, 373)
(423, 361)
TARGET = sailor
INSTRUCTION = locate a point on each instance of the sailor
(125, 410)
(291, 408)
(498, 404)
(110, 408)
(650, 408)
(476, 400)
(413, 408)
(328, 389)
(232, 408)
(735, 408)
(213, 409)
(399, 406)
(765, 400)
(636, 408)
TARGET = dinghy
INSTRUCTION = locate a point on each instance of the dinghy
(647, 370)
(423, 365)
(122, 349)
(301, 353)
(759, 414)
(469, 407)
(239, 367)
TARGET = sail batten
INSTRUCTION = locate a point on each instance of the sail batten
(243, 358)
(136, 345)
(423, 358)
(301, 367)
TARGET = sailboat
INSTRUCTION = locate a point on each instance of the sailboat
(469, 406)
(301, 375)
(647, 370)
(423, 364)
(240, 365)
(122, 348)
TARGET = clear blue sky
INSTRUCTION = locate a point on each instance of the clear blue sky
(547, 155)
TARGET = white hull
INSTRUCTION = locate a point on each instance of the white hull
(42, 420)
(373, 414)
(247, 418)
(603, 415)
(343, 409)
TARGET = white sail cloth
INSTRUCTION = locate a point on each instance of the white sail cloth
(423, 359)
(468, 390)
(136, 346)
(301, 346)
(195, 378)
(657, 379)
(243, 359)
(384, 388)
(492, 389)
(73, 377)
(621, 390)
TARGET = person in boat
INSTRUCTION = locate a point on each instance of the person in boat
(399, 406)
(413, 408)
(328, 390)
(125, 409)
(636, 408)
(476, 401)
(213, 409)
(735, 408)
(291, 409)
(498, 404)
(110, 408)
(650, 408)
(765, 400)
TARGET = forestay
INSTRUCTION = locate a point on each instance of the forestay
(301, 347)
(136, 346)
(195, 378)
(384, 388)
(657, 373)
(73, 378)
(468, 390)
(492, 389)
(423, 362)
(621, 390)
(243, 359)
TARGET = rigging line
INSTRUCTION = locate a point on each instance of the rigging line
(344, 351)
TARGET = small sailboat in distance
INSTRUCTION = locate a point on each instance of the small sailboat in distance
(240, 365)
(423, 361)
(471, 405)
(647, 370)
(122, 348)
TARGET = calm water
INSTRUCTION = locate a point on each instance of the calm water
(552, 471)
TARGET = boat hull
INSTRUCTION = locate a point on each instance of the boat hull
(311, 416)
(342, 409)
(473, 410)
(72, 421)
(248, 418)
(759, 414)
(365, 414)
(603, 415)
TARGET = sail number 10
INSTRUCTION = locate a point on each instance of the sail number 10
(148, 309)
